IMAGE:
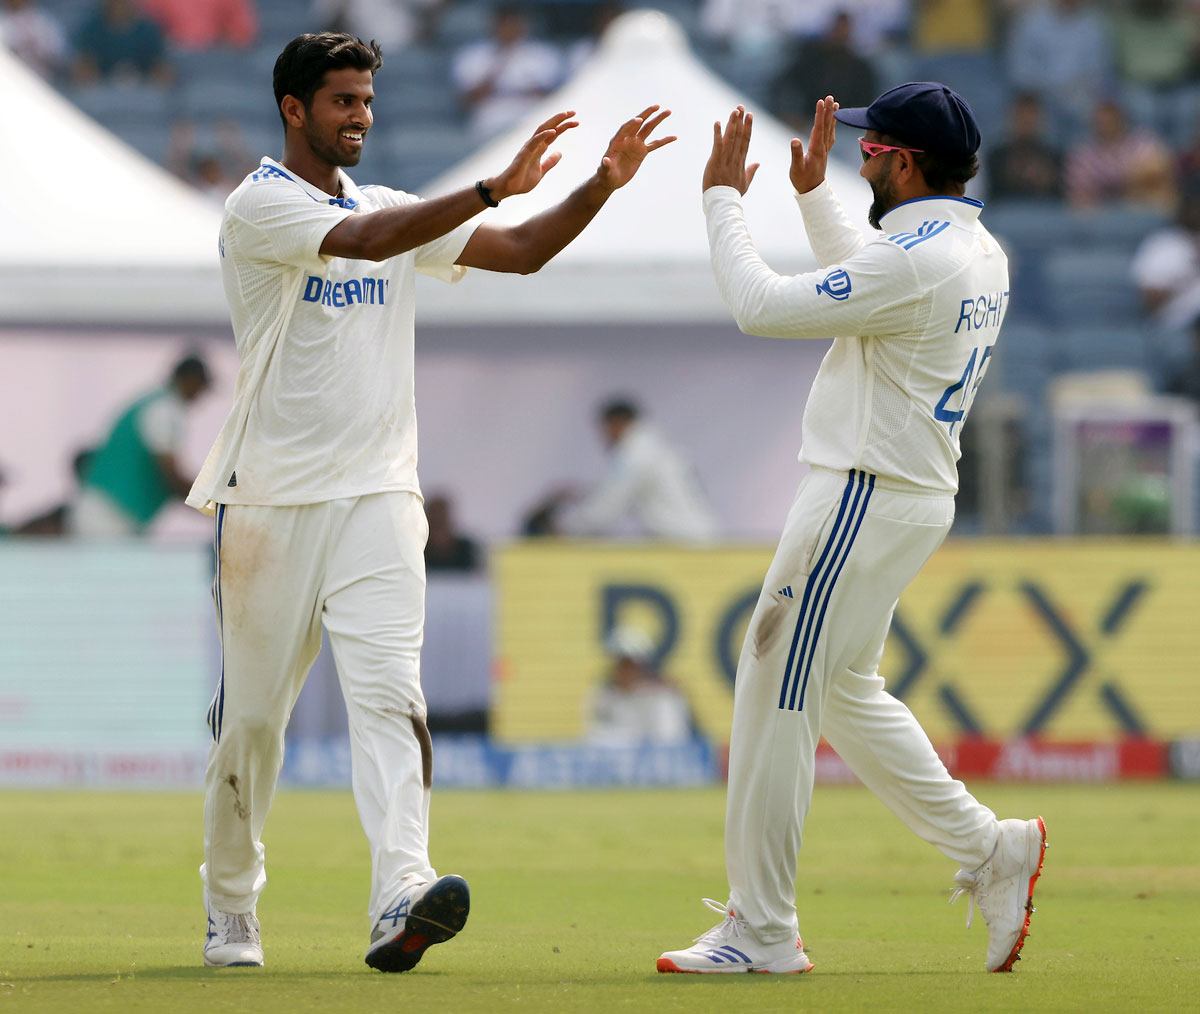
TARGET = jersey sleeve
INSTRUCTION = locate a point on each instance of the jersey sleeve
(435, 258)
(852, 297)
(286, 224)
(831, 234)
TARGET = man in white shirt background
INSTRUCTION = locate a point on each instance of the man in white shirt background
(649, 489)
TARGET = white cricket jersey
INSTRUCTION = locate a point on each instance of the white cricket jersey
(324, 405)
(914, 314)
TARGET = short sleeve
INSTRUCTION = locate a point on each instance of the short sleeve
(160, 425)
(292, 223)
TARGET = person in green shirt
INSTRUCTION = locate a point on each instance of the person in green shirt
(135, 471)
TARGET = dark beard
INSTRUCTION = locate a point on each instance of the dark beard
(885, 200)
(329, 154)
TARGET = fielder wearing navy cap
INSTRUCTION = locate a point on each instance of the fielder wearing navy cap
(926, 114)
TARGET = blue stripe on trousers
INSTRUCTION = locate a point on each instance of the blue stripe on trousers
(819, 588)
(216, 710)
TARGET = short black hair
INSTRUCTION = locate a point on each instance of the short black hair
(618, 408)
(191, 368)
(304, 62)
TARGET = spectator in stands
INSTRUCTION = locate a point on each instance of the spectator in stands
(821, 66)
(578, 52)
(649, 486)
(116, 42)
(1025, 164)
(394, 24)
(1063, 51)
(499, 78)
(635, 704)
(135, 471)
(1116, 163)
(214, 160)
(1166, 267)
(1183, 377)
(34, 35)
(203, 24)
(447, 548)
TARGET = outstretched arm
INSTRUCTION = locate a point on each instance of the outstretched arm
(395, 230)
(527, 247)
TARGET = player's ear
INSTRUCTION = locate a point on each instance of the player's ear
(293, 111)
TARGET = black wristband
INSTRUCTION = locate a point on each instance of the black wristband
(486, 195)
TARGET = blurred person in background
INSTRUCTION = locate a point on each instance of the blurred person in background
(213, 159)
(1117, 163)
(135, 471)
(1025, 164)
(34, 35)
(1166, 265)
(499, 78)
(1182, 377)
(814, 67)
(635, 704)
(649, 485)
(1062, 50)
(603, 14)
(1158, 56)
(394, 24)
(202, 24)
(447, 548)
(117, 42)
(56, 520)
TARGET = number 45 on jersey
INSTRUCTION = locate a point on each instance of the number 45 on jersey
(965, 389)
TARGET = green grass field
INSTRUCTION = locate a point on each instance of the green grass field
(575, 895)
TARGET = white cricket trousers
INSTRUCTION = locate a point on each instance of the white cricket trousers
(357, 565)
(810, 666)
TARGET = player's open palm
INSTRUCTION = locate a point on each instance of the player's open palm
(630, 145)
(532, 163)
(808, 167)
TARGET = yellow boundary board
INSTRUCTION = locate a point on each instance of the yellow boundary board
(1069, 639)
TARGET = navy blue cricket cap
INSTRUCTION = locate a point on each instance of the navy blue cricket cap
(925, 114)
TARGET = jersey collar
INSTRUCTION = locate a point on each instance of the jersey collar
(960, 210)
(351, 196)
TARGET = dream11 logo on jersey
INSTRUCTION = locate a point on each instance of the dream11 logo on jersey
(836, 285)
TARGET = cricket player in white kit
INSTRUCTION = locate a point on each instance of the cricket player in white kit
(916, 313)
(313, 478)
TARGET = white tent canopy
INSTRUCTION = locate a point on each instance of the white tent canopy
(94, 233)
(645, 257)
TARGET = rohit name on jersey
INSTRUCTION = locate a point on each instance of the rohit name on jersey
(365, 290)
(982, 311)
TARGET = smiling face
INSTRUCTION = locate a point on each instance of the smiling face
(335, 124)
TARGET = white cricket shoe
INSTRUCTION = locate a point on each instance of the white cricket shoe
(423, 915)
(1003, 889)
(730, 946)
(232, 938)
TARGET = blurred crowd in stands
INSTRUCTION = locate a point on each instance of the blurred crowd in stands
(1090, 111)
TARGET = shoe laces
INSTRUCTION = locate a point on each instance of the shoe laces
(968, 884)
(240, 927)
(730, 926)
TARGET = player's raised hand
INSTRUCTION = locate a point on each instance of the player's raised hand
(630, 145)
(808, 167)
(727, 163)
(532, 163)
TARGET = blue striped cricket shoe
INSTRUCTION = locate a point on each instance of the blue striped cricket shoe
(730, 946)
(424, 914)
(232, 938)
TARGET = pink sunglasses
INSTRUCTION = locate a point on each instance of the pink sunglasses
(870, 150)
